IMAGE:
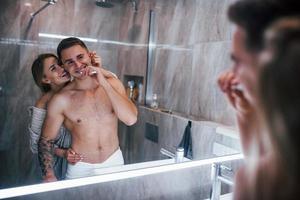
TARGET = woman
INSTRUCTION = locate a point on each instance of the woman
(276, 175)
(280, 98)
(50, 78)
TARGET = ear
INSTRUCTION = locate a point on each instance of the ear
(45, 80)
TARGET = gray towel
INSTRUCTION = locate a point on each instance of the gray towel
(186, 141)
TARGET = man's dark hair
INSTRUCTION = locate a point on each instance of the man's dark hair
(67, 43)
(254, 17)
(37, 70)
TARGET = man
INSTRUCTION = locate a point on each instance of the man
(89, 107)
(252, 18)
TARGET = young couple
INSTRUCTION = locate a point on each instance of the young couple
(266, 62)
(85, 109)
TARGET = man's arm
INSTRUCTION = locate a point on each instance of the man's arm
(53, 121)
(246, 114)
(122, 105)
(124, 108)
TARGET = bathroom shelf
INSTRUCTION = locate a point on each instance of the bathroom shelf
(173, 113)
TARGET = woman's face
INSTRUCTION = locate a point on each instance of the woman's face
(53, 73)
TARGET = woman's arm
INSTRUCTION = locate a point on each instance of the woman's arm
(37, 116)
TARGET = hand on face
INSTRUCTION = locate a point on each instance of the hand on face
(97, 73)
(95, 59)
(97, 62)
(230, 85)
(100, 73)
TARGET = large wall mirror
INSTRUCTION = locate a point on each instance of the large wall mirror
(169, 51)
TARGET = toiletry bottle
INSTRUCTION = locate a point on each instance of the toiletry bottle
(135, 93)
(179, 155)
(130, 89)
(154, 103)
(140, 93)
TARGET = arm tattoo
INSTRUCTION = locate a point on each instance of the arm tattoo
(45, 153)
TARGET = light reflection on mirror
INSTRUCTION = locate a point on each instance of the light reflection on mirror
(135, 171)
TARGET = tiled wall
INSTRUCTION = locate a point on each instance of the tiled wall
(192, 46)
(193, 39)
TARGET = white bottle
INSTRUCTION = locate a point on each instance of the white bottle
(179, 155)
(140, 89)
(130, 86)
(154, 103)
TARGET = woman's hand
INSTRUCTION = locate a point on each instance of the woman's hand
(72, 157)
(97, 62)
(95, 59)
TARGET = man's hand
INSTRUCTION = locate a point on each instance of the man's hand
(230, 85)
(72, 157)
(246, 113)
(98, 73)
(95, 59)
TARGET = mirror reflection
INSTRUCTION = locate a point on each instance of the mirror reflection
(88, 87)
(88, 106)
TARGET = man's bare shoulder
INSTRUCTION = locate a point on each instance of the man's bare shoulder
(67, 91)
(68, 87)
(61, 98)
(65, 95)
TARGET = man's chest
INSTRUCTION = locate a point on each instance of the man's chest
(89, 106)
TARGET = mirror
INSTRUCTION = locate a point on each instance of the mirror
(176, 53)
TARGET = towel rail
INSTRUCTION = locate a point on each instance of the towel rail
(218, 178)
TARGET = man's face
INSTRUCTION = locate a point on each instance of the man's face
(244, 65)
(75, 60)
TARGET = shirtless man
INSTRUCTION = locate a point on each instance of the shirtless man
(89, 107)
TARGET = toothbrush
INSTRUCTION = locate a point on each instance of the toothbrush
(238, 87)
(94, 72)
